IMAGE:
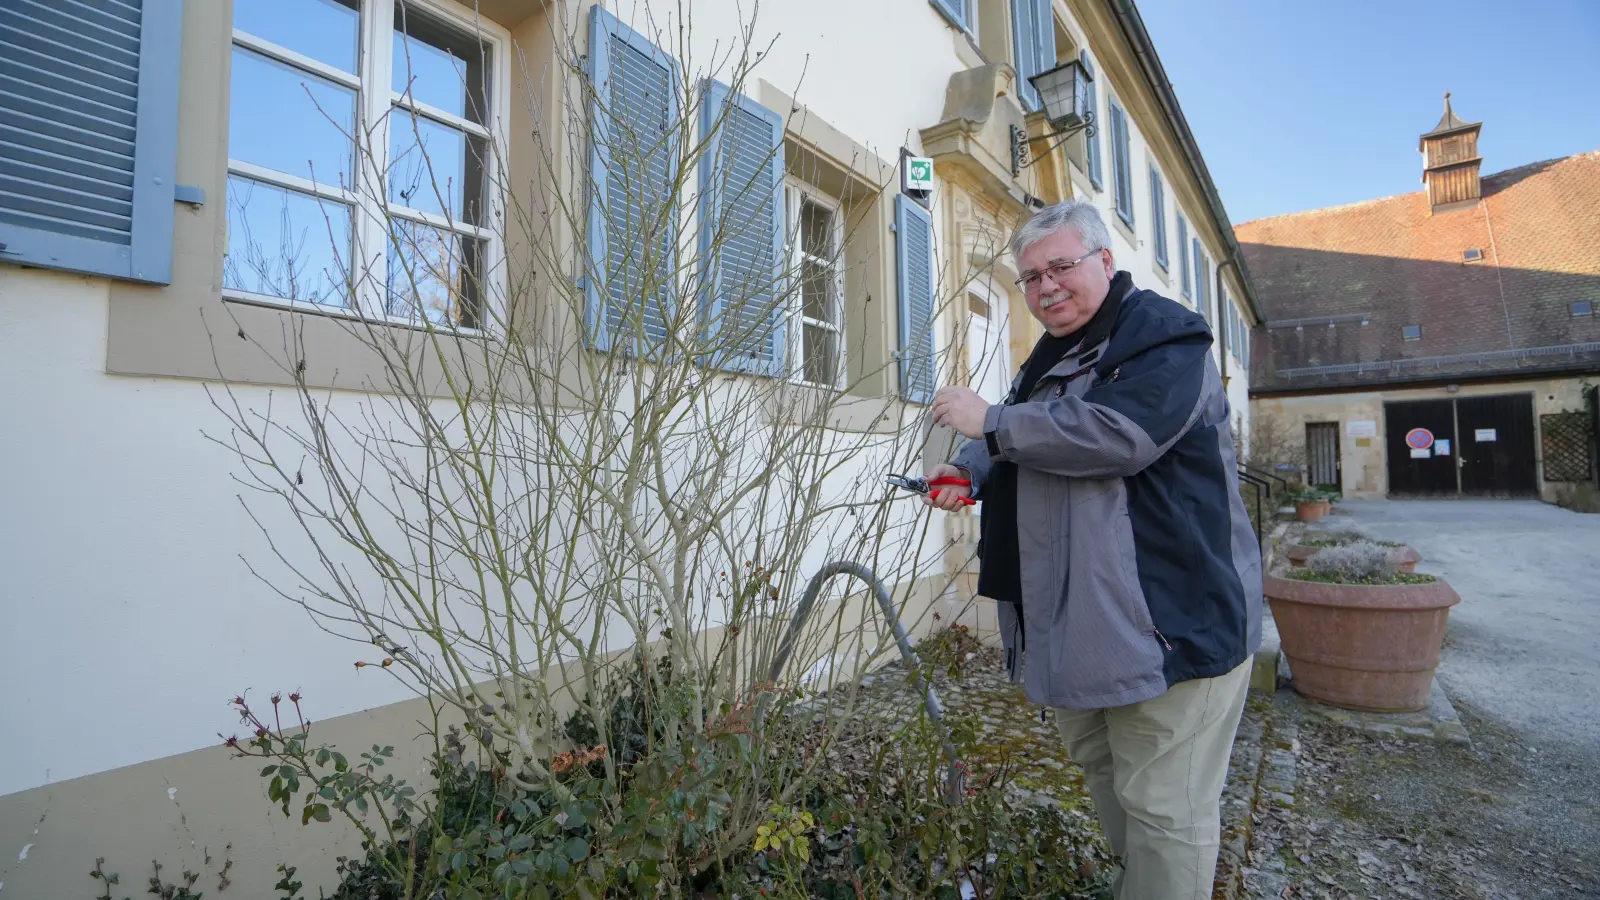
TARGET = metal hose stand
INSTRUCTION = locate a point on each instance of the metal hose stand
(930, 700)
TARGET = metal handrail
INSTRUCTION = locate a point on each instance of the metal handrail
(1260, 485)
(1262, 473)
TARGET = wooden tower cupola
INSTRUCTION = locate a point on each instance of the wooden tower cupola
(1450, 162)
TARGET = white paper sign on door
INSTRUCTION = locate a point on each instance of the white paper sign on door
(1441, 447)
(1485, 434)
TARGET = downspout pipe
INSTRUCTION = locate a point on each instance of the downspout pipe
(1230, 261)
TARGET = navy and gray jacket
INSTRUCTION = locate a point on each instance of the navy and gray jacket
(1139, 565)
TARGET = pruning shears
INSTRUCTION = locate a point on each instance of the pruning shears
(923, 485)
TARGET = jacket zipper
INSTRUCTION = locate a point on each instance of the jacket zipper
(1162, 638)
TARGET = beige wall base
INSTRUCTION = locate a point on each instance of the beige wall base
(1364, 462)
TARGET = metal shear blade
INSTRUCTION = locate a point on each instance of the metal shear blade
(919, 485)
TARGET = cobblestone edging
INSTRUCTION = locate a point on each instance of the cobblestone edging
(1279, 775)
(1262, 767)
(1239, 797)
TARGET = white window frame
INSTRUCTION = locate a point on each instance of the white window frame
(368, 255)
(797, 192)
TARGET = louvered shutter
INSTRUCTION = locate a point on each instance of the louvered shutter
(955, 11)
(89, 134)
(913, 229)
(1034, 37)
(1158, 215)
(1183, 254)
(1121, 171)
(741, 232)
(632, 205)
(1094, 116)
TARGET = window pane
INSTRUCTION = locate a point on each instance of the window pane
(435, 168)
(290, 120)
(438, 66)
(816, 230)
(816, 290)
(821, 355)
(286, 244)
(328, 31)
(434, 273)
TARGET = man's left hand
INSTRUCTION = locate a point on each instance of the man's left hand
(962, 409)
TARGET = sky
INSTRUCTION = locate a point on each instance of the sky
(1301, 104)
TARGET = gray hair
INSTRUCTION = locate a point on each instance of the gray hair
(1079, 215)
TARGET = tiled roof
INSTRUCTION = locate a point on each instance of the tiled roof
(1375, 267)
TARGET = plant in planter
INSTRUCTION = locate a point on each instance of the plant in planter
(1313, 542)
(1310, 505)
(1359, 633)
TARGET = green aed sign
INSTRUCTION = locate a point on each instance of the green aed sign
(918, 173)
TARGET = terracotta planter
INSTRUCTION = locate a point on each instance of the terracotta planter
(1367, 647)
(1405, 558)
(1309, 512)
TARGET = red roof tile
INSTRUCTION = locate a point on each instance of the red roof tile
(1388, 263)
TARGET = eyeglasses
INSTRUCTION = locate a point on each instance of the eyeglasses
(1056, 271)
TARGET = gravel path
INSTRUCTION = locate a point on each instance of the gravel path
(1517, 815)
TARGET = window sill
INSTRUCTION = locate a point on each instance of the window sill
(348, 315)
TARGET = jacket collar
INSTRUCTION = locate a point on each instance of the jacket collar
(1098, 331)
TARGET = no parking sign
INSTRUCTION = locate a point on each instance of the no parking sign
(1419, 440)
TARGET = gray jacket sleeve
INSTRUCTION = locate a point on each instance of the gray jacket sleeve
(1118, 427)
(974, 458)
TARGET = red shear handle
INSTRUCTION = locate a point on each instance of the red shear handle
(933, 487)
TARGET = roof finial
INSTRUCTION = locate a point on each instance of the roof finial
(1448, 121)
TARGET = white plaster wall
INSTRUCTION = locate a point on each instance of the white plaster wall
(129, 618)
(875, 70)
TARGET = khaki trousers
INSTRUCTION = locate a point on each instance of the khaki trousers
(1155, 771)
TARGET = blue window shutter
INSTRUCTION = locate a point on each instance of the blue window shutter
(1158, 215)
(1120, 164)
(1183, 254)
(1044, 37)
(742, 229)
(954, 11)
(1095, 176)
(913, 229)
(89, 135)
(1034, 41)
(632, 259)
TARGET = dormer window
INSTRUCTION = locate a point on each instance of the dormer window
(1472, 255)
(1411, 333)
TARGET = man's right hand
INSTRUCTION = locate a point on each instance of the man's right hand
(946, 498)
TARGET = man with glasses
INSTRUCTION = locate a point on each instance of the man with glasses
(1114, 540)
